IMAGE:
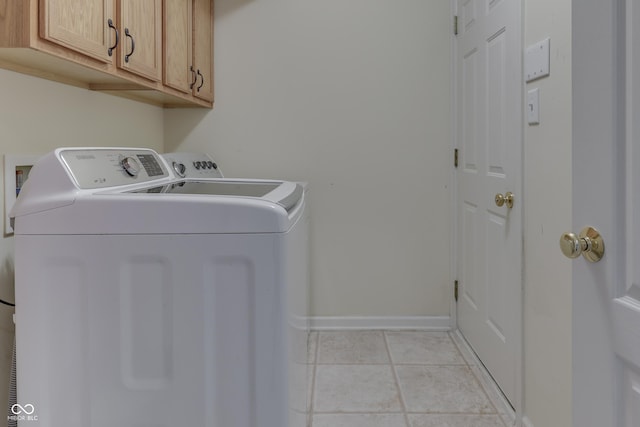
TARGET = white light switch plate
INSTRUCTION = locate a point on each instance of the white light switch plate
(533, 106)
(537, 60)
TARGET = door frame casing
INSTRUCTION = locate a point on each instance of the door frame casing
(518, 402)
(598, 89)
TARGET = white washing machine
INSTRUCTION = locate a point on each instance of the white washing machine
(148, 300)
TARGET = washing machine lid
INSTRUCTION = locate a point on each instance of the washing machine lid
(284, 193)
(134, 191)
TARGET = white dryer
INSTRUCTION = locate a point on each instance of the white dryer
(144, 299)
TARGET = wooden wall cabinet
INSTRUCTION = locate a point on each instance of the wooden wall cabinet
(177, 44)
(89, 34)
(140, 49)
(188, 60)
(121, 47)
(203, 49)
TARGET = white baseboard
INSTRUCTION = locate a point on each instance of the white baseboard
(425, 323)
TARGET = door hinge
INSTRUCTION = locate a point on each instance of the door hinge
(455, 157)
(455, 25)
(455, 290)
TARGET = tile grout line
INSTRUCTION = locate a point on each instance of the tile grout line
(475, 377)
(313, 381)
(460, 352)
(479, 381)
(395, 379)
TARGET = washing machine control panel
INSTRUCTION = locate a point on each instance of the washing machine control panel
(193, 165)
(100, 167)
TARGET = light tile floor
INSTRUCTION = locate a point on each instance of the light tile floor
(399, 379)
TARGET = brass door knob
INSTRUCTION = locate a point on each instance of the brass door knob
(506, 199)
(589, 244)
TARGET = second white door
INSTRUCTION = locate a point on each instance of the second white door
(489, 129)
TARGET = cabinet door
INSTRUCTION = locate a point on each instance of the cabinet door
(80, 25)
(141, 37)
(177, 45)
(203, 48)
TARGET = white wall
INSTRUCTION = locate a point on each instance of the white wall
(547, 154)
(37, 116)
(353, 97)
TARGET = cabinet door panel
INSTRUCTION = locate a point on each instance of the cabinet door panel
(80, 25)
(203, 48)
(177, 45)
(141, 50)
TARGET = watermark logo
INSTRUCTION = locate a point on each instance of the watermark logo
(22, 412)
(17, 409)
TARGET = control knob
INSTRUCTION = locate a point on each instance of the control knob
(180, 169)
(130, 166)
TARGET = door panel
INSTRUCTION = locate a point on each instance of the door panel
(488, 64)
(626, 305)
(469, 105)
(496, 93)
(141, 50)
(469, 266)
(177, 44)
(631, 393)
(497, 316)
(90, 35)
(606, 181)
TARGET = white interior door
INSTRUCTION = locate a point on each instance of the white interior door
(606, 195)
(489, 126)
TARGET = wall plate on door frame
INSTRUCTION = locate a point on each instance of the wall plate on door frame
(12, 163)
(536, 60)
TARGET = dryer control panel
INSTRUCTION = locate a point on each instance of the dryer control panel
(105, 167)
